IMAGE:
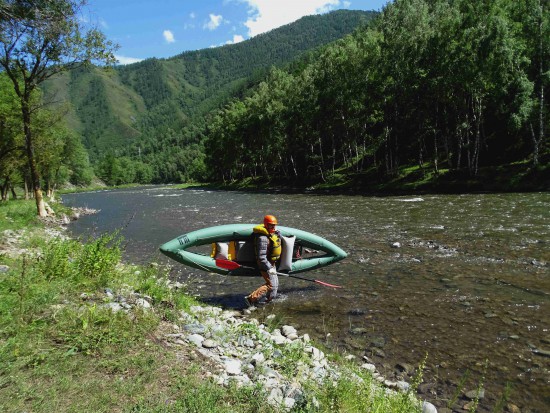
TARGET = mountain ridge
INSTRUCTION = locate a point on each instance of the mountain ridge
(117, 109)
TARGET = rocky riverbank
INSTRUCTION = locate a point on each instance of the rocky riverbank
(243, 351)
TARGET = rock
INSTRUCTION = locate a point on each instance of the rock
(278, 339)
(288, 330)
(4, 269)
(195, 328)
(390, 384)
(114, 307)
(404, 367)
(378, 342)
(317, 355)
(427, 407)
(275, 398)
(369, 367)
(541, 352)
(141, 302)
(233, 367)
(196, 339)
(403, 385)
(512, 408)
(289, 403)
(208, 343)
(396, 245)
(258, 358)
(475, 394)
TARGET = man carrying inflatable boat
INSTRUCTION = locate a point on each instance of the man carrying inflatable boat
(249, 249)
(267, 246)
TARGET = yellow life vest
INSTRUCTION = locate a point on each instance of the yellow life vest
(274, 249)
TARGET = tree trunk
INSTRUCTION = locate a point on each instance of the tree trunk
(4, 189)
(35, 177)
(26, 190)
(537, 140)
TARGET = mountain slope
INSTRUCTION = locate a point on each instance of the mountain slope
(156, 98)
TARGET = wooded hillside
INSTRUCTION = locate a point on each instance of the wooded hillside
(150, 115)
(435, 87)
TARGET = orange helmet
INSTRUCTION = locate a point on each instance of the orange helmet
(270, 220)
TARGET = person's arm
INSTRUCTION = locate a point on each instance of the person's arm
(261, 252)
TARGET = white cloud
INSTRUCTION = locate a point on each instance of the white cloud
(192, 15)
(215, 21)
(168, 36)
(237, 38)
(266, 15)
(346, 4)
(124, 60)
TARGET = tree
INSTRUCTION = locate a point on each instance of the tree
(40, 38)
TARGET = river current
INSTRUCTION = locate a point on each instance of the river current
(461, 281)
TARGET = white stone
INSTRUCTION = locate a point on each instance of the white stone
(208, 343)
(288, 330)
(427, 407)
(369, 367)
(279, 340)
(114, 307)
(196, 339)
(403, 385)
(233, 367)
(140, 302)
(258, 358)
(289, 403)
(275, 398)
(318, 355)
(396, 245)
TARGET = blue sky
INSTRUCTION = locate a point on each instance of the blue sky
(165, 28)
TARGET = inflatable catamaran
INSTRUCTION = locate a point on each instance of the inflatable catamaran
(301, 251)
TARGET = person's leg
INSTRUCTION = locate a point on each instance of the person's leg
(264, 289)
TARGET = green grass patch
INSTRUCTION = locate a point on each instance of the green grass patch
(17, 214)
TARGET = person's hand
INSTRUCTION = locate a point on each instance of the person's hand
(272, 271)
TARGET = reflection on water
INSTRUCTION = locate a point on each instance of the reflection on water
(464, 279)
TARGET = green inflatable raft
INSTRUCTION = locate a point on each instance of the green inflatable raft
(301, 251)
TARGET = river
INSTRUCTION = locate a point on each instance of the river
(461, 280)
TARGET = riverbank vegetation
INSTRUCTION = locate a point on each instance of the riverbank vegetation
(66, 344)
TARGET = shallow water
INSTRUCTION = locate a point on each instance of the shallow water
(469, 284)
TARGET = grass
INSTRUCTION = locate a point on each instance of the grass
(63, 350)
(17, 214)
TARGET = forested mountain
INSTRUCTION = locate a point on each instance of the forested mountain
(438, 90)
(438, 87)
(152, 112)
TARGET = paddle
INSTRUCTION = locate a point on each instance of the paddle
(232, 265)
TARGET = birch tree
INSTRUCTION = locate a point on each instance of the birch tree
(38, 39)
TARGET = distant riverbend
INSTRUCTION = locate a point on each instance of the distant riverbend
(464, 279)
